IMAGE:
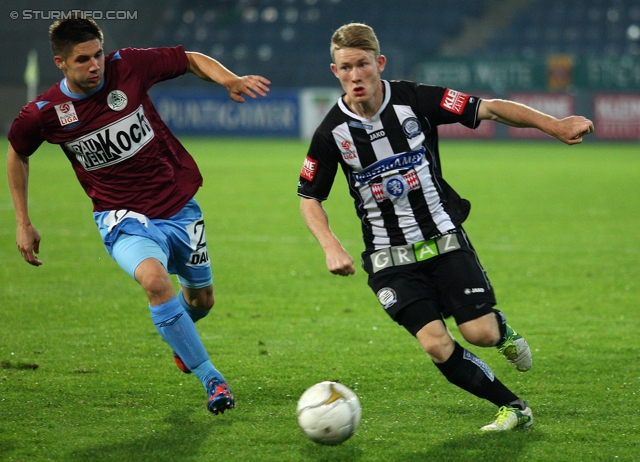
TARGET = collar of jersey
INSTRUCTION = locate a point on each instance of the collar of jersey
(385, 101)
(65, 89)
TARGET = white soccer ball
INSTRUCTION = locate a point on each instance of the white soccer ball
(329, 413)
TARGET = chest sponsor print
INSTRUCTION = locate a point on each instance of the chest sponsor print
(395, 187)
(402, 161)
(114, 143)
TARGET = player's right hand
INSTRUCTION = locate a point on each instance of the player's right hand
(28, 242)
(340, 263)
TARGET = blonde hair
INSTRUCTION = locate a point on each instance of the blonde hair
(355, 35)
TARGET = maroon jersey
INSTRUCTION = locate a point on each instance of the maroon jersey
(123, 154)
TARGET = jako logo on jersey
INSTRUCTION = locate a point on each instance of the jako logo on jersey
(375, 135)
(114, 143)
(309, 168)
(454, 101)
(66, 113)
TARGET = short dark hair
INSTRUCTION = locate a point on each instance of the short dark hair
(66, 33)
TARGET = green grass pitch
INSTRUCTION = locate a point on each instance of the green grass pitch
(556, 228)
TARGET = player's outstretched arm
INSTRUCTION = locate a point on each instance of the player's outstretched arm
(338, 259)
(207, 68)
(569, 130)
(27, 236)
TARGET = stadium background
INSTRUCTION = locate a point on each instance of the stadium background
(560, 56)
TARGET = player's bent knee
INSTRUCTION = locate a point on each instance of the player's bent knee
(200, 299)
(483, 331)
(437, 343)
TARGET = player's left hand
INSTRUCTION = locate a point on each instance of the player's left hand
(248, 85)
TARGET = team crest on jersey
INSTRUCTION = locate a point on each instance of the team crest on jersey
(117, 100)
(66, 113)
(411, 127)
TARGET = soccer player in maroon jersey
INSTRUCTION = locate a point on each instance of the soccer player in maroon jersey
(420, 262)
(139, 177)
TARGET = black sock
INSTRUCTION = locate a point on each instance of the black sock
(470, 373)
(502, 325)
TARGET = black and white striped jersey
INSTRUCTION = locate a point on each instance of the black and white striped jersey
(392, 163)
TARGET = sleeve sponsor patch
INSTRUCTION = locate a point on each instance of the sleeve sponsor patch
(309, 168)
(454, 101)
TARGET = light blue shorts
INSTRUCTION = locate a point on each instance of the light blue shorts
(179, 243)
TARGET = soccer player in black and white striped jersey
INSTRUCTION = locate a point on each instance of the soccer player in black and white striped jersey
(420, 262)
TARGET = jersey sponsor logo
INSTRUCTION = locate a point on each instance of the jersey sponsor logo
(410, 181)
(405, 160)
(114, 143)
(309, 168)
(66, 113)
(411, 127)
(395, 187)
(377, 135)
(117, 100)
(454, 101)
(347, 152)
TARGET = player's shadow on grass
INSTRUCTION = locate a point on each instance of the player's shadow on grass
(343, 453)
(172, 444)
(495, 447)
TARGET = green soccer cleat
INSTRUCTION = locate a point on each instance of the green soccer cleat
(510, 418)
(516, 350)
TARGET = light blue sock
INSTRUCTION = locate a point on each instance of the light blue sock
(194, 314)
(180, 333)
